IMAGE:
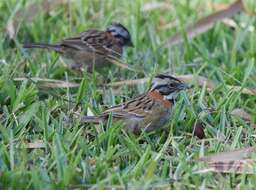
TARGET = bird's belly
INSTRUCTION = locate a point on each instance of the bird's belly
(81, 59)
(149, 123)
(159, 121)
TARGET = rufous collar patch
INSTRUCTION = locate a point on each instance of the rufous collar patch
(156, 95)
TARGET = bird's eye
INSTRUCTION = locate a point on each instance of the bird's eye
(172, 85)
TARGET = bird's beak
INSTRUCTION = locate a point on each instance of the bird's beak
(130, 44)
(184, 86)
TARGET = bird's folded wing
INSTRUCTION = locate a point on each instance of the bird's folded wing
(76, 43)
(137, 107)
(93, 41)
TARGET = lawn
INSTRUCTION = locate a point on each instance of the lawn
(43, 144)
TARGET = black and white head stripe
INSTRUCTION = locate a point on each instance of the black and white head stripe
(167, 85)
(119, 31)
(163, 76)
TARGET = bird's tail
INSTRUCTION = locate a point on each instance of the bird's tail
(92, 119)
(43, 46)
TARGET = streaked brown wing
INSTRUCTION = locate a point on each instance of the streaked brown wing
(94, 41)
(102, 43)
(137, 107)
(82, 42)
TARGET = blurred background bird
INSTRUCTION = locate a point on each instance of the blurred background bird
(92, 48)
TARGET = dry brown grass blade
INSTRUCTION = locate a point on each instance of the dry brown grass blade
(186, 78)
(199, 80)
(113, 58)
(155, 5)
(230, 23)
(229, 156)
(243, 115)
(36, 144)
(121, 65)
(249, 7)
(128, 82)
(204, 24)
(50, 83)
(217, 6)
(250, 91)
(237, 161)
(238, 166)
(29, 13)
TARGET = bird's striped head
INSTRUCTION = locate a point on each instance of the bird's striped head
(121, 33)
(168, 86)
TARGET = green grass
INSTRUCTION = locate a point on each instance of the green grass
(99, 157)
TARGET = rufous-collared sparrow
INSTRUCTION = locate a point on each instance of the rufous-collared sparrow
(148, 111)
(92, 48)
